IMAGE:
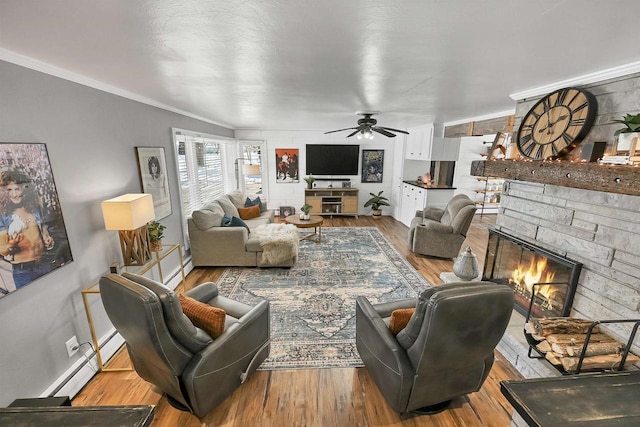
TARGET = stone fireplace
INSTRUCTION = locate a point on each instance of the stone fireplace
(601, 231)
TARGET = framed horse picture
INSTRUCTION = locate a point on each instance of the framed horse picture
(287, 165)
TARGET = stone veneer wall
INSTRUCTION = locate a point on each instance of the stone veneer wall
(600, 230)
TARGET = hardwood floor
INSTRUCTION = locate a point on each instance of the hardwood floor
(317, 397)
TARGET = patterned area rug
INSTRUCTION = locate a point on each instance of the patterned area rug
(313, 322)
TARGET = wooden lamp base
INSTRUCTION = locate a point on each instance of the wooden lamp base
(135, 246)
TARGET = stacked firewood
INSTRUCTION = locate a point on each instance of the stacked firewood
(561, 340)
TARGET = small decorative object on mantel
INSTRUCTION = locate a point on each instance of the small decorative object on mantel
(466, 265)
(306, 212)
(628, 137)
(156, 233)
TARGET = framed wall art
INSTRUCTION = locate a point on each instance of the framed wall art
(372, 165)
(33, 237)
(152, 166)
(287, 165)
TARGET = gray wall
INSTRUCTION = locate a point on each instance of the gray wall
(90, 137)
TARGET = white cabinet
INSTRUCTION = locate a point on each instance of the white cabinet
(419, 142)
(413, 199)
(421, 145)
(416, 198)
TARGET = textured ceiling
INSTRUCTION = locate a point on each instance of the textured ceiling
(303, 64)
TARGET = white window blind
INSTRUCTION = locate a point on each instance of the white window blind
(201, 170)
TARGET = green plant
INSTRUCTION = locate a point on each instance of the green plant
(156, 231)
(306, 208)
(632, 123)
(376, 201)
(309, 179)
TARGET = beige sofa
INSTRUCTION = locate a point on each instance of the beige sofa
(215, 245)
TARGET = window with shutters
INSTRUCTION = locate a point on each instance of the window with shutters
(201, 170)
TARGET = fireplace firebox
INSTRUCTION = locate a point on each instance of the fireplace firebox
(528, 269)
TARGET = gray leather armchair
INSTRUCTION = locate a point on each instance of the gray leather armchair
(441, 232)
(444, 352)
(194, 371)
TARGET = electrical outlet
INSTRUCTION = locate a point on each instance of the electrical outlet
(72, 346)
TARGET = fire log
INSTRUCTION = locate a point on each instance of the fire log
(562, 325)
(577, 338)
(593, 363)
(595, 349)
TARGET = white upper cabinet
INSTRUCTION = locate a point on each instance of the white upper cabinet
(419, 142)
(421, 145)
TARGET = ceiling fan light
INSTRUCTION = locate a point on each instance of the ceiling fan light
(359, 135)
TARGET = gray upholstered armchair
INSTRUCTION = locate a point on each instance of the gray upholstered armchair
(195, 371)
(446, 349)
(441, 232)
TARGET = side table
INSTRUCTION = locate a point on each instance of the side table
(155, 261)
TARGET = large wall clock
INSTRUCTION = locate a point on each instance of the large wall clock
(556, 124)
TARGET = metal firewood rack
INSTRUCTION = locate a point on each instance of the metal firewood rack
(540, 355)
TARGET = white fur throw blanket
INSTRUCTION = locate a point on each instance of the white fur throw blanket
(279, 242)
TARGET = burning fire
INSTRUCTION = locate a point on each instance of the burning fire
(536, 273)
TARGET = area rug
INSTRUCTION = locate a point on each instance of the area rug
(312, 304)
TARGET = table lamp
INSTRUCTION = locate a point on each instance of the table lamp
(129, 215)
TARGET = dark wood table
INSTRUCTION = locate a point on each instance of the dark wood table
(589, 400)
(77, 416)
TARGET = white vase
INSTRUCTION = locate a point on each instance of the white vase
(306, 217)
(627, 141)
(466, 265)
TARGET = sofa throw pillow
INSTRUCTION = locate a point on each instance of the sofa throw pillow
(207, 217)
(399, 319)
(237, 198)
(256, 202)
(409, 334)
(204, 316)
(250, 212)
(227, 206)
(233, 221)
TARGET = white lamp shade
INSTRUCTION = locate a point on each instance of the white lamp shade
(251, 169)
(128, 212)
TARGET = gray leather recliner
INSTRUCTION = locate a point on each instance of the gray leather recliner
(445, 351)
(194, 371)
(441, 232)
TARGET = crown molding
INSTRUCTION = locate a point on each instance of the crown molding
(43, 67)
(598, 76)
(480, 118)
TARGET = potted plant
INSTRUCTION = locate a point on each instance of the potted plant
(156, 232)
(309, 180)
(376, 201)
(306, 209)
(627, 134)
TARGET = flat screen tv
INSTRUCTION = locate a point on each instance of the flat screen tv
(332, 159)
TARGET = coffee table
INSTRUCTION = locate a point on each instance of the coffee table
(314, 222)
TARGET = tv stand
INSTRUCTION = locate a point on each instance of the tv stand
(332, 201)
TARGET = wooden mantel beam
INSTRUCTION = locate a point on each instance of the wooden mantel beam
(620, 179)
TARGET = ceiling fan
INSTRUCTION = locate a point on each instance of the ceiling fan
(366, 127)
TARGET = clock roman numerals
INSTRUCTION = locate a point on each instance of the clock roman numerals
(580, 107)
(556, 123)
(561, 97)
